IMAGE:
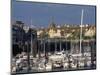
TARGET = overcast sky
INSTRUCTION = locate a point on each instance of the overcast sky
(41, 13)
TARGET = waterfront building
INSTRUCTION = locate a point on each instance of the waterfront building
(20, 38)
(67, 38)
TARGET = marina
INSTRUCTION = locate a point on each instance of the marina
(54, 41)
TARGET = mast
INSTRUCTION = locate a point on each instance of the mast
(81, 31)
(31, 40)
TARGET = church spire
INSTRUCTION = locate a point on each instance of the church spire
(52, 23)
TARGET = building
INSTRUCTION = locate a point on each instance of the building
(22, 39)
(67, 38)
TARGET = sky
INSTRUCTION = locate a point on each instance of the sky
(41, 14)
